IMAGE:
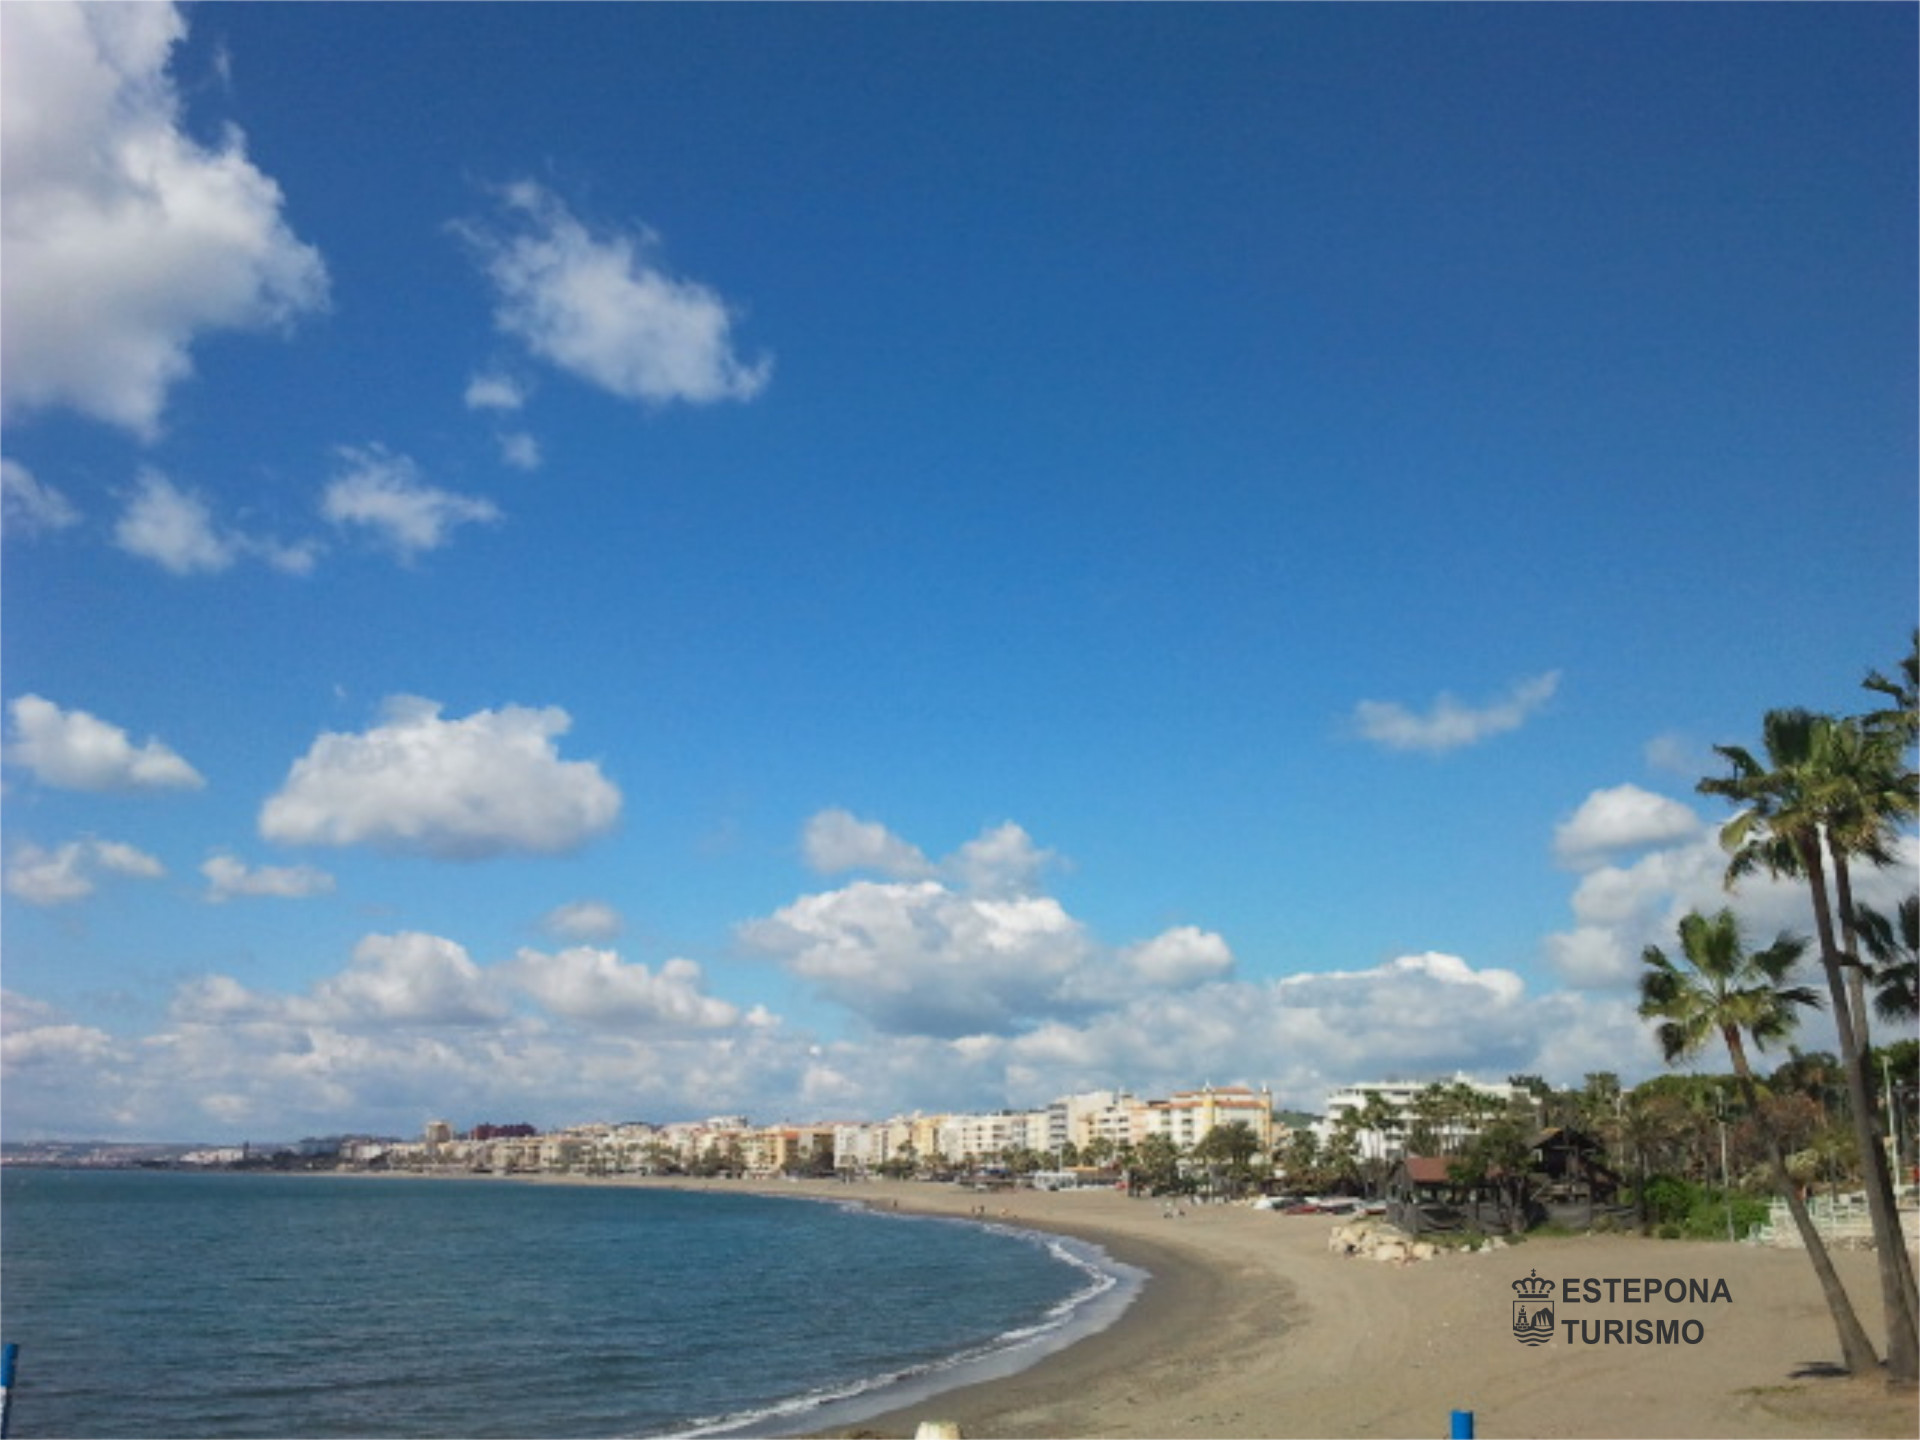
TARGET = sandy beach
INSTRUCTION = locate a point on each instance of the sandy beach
(1251, 1327)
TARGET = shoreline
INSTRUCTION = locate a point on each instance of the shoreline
(1248, 1326)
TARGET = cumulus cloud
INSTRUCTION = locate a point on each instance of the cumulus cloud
(405, 979)
(73, 871)
(1450, 724)
(919, 957)
(1177, 958)
(601, 306)
(836, 841)
(488, 784)
(410, 1026)
(228, 879)
(33, 1036)
(173, 528)
(597, 988)
(125, 239)
(1624, 817)
(583, 920)
(1000, 861)
(73, 750)
(1420, 1016)
(966, 946)
(383, 493)
(1621, 905)
(176, 530)
(29, 507)
(411, 978)
(413, 1027)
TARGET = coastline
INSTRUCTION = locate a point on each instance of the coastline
(1248, 1326)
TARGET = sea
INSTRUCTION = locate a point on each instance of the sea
(176, 1304)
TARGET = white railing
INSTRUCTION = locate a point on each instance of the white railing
(1843, 1221)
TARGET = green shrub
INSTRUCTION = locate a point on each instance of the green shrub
(1669, 1198)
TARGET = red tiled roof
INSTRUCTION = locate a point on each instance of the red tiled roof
(1427, 1169)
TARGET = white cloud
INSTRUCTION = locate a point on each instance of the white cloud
(383, 492)
(175, 529)
(963, 947)
(33, 1035)
(488, 784)
(228, 878)
(411, 978)
(521, 451)
(1621, 907)
(412, 1027)
(1001, 861)
(73, 750)
(600, 307)
(835, 841)
(583, 920)
(495, 392)
(1177, 958)
(28, 507)
(125, 239)
(917, 957)
(1624, 817)
(1449, 725)
(72, 872)
(597, 988)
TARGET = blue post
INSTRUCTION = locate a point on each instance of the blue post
(7, 1354)
(1462, 1425)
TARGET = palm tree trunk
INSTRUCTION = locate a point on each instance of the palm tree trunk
(1856, 1350)
(1850, 948)
(1847, 989)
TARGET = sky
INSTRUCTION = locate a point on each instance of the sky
(612, 562)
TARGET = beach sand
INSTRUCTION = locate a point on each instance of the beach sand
(1250, 1327)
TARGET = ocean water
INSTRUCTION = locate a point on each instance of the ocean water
(162, 1304)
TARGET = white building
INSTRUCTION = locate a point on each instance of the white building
(1402, 1096)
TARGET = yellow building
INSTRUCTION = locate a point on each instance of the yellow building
(1187, 1116)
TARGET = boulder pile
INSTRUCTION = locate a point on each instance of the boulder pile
(1372, 1239)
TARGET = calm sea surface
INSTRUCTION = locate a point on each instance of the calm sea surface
(236, 1305)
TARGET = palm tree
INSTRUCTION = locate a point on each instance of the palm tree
(1895, 948)
(1429, 1114)
(1645, 1126)
(1904, 715)
(1720, 987)
(1832, 789)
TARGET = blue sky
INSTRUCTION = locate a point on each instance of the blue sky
(644, 561)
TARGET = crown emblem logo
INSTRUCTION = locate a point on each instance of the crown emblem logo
(1533, 1287)
(1532, 1312)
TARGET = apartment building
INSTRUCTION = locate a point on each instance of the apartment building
(1187, 1116)
(861, 1147)
(1402, 1097)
